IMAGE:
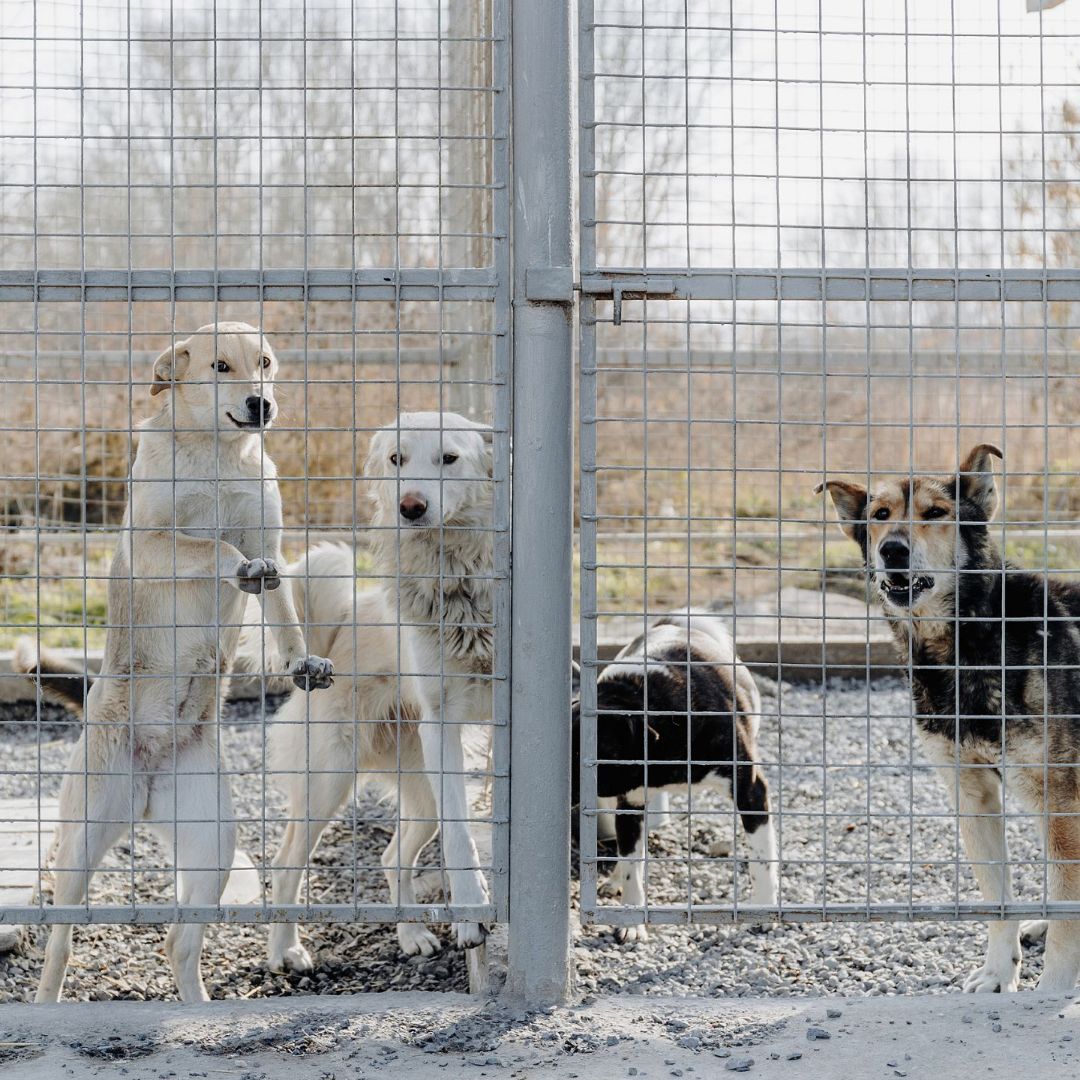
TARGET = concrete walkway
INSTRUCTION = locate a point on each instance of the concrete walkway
(424, 1036)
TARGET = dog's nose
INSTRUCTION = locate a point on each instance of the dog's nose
(894, 554)
(258, 407)
(412, 508)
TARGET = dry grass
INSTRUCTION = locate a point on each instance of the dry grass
(708, 499)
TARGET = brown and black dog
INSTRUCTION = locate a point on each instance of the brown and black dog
(994, 657)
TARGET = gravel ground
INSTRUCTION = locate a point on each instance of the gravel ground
(844, 771)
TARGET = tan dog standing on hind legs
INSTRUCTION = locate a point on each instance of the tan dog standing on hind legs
(994, 655)
(202, 530)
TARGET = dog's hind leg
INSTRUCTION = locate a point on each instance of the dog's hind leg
(632, 837)
(1061, 960)
(444, 764)
(417, 826)
(87, 830)
(976, 792)
(751, 795)
(315, 797)
(192, 808)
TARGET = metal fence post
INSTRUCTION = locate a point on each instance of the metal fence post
(539, 935)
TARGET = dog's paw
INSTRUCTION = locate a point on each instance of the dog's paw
(256, 575)
(630, 935)
(613, 885)
(993, 979)
(467, 935)
(1033, 931)
(295, 959)
(313, 673)
(417, 940)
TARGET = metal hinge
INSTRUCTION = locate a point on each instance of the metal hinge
(556, 285)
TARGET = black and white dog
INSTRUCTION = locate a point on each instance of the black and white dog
(677, 709)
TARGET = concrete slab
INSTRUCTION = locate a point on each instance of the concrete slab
(797, 634)
(428, 1036)
(799, 631)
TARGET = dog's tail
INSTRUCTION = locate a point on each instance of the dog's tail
(322, 583)
(57, 677)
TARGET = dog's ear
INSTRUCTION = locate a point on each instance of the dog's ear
(975, 478)
(166, 365)
(488, 435)
(375, 464)
(850, 503)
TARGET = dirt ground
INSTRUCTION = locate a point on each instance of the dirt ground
(424, 1036)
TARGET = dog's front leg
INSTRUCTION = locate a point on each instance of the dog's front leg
(279, 611)
(444, 765)
(174, 556)
(976, 794)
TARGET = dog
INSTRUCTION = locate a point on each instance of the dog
(677, 709)
(365, 726)
(202, 530)
(425, 638)
(994, 655)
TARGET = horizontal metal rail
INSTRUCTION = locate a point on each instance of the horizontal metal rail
(829, 283)
(159, 914)
(379, 283)
(830, 911)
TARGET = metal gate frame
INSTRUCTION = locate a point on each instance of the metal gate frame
(824, 283)
(533, 396)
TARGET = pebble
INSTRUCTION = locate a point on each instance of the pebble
(788, 960)
(816, 1033)
(740, 1065)
(794, 1055)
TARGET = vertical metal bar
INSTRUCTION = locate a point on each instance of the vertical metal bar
(542, 529)
(587, 391)
(499, 119)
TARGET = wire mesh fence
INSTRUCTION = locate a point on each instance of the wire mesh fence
(260, 324)
(254, 341)
(842, 238)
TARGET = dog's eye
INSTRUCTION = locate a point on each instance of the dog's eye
(222, 366)
(393, 459)
(935, 512)
(449, 459)
(881, 513)
(266, 361)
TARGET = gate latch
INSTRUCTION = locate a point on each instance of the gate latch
(617, 288)
(556, 285)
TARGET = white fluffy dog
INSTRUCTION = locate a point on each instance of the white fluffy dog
(202, 530)
(430, 475)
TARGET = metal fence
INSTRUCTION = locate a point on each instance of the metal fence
(834, 246)
(805, 246)
(337, 176)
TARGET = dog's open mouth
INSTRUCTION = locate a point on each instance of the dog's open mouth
(246, 423)
(903, 591)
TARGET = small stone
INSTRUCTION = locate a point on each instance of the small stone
(995, 1028)
(689, 1042)
(721, 1053)
(740, 1065)
(794, 1055)
(813, 1033)
(833, 1014)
